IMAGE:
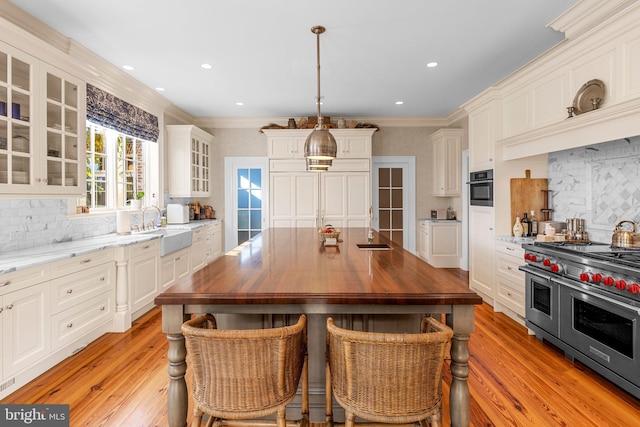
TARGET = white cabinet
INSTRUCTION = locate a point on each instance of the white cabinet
(352, 146)
(345, 198)
(510, 282)
(143, 276)
(446, 162)
(483, 127)
(294, 199)
(286, 147)
(439, 243)
(189, 162)
(214, 249)
(198, 248)
(40, 103)
(289, 143)
(25, 328)
(481, 232)
(174, 267)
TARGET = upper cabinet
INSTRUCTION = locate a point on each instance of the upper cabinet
(447, 161)
(39, 103)
(289, 143)
(482, 137)
(189, 169)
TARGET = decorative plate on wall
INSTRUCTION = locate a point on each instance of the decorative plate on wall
(589, 97)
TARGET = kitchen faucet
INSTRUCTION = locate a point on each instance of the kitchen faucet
(143, 210)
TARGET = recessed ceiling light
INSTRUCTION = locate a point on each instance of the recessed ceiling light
(160, 89)
(206, 66)
(128, 67)
(239, 103)
(432, 64)
(399, 102)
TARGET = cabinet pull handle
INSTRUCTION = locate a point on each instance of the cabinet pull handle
(179, 258)
(69, 291)
(69, 325)
(102, 308)
(9, 307)
(509, 268)
(509, 293)
(146, 247)
(84, 261)
(510, 249)
(102, 279)
(5, 283)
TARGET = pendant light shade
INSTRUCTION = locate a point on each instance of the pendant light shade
(320, 144)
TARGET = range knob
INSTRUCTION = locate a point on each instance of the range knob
(621, 284)
(584, 277)
(546, 262)
(608, 281)
(556, 268)
(533, 258)
(634, 288)
(527, 257)
(596, 277)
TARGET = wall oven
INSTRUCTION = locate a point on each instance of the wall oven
(481, 188)
(585, 299)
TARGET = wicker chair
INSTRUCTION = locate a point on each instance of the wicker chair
(387, 378)
(246, 374)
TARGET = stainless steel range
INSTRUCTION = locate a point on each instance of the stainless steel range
(585, 299)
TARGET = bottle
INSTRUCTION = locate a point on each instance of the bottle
(517, 227)
(526, 231)
(534, 224)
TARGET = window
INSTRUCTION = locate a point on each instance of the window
(249, 202)
(118, 168)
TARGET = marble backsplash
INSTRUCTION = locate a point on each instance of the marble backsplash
(29, 223)
(600, 183)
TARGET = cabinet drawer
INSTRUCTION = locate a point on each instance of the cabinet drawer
(81, 262)
(150, 247)
(511, 295)
(73, 289)
(75, 322)
(199, 234)
(508, 267)
(22, 278)
(511, 249)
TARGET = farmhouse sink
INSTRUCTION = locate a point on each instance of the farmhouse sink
(173, 239)
(374, 246)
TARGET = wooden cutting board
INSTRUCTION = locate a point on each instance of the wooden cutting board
(527, 195)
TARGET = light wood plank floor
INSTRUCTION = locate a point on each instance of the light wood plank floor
(516, 380)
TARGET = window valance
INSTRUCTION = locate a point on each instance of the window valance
(114, 113)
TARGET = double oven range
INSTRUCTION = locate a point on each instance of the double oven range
(585, 299)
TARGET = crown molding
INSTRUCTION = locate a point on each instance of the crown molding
(585, 15)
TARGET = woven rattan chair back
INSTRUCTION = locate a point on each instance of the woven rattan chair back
(245, 374)
(387, 378)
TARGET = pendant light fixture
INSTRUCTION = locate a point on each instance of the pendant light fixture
(320, 148)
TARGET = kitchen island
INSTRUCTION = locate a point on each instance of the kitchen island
(288, 271)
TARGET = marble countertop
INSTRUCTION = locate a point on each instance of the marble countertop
(438, 220)
(513, 239)
(26, 258)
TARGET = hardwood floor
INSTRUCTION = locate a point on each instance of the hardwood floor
(515, 380)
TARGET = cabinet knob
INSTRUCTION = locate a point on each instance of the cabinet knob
(85, 261)
(102, 308)
(69, 291)
(5, 283)
(69, 325)
(102, 279)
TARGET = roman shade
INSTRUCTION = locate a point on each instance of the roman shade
(114, 113)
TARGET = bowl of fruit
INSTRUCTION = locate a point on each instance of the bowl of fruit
(329, 235)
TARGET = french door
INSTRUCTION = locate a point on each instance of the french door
(394, 203)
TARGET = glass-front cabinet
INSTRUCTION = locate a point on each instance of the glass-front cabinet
(40, 112)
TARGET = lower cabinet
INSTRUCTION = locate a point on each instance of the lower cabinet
(215, 241)
(143, 276)
(439, 243)
(509, 281)
(481, 233)
(199, 246)
(174, 267)
(49, 312)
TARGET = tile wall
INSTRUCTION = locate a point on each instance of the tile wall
(600, 183)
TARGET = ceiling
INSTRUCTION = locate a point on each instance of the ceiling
(263, 53)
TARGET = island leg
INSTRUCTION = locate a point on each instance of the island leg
(461, 321)
(177, 397)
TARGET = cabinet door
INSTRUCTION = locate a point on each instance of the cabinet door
(447, 163)
(346, 199)
(199, 166)
(354, 147)
(294, 199)
(481, 251)
(143, 279)
(423, 239)
(482, 136)
(215, 250)
(199, 249)
(17, 149)
(64, 110)
(26, 336)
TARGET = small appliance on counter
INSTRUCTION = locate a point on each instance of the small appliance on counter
(177, 214)
(443, 214)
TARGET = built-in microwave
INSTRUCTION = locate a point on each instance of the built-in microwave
(481, 188)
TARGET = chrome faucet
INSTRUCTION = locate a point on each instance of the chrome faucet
(144, 209)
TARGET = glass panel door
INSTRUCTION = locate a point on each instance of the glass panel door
(391, 205)
(249, 203)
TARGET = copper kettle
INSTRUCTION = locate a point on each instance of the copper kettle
(624, 238)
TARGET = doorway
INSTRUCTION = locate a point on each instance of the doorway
(393, 192)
